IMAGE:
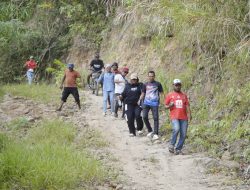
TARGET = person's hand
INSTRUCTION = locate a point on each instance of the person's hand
(61, 87)
(190, 117)
(120, 97)
(139, 102)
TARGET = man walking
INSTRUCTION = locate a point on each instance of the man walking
(69, 86)
(108, 88)
(131, 96)
(180, 112)
(30, 66)
(119, 88)
(151, 92)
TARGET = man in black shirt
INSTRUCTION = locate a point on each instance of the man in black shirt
(96, 65)
(132, 98)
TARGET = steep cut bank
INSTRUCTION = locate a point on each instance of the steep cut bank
(206, 45)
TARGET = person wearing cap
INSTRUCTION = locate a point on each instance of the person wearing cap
(96, 65)
(132, 98)
(119, 88)
(151, 92)
(30, 66)
(180, 112)
(115, 68)
(69, 85)
(107, 80)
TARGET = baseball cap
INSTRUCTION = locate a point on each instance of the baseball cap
(70, 65)
(125, 69)
(177, 81)
(133, 76)
(31, 57)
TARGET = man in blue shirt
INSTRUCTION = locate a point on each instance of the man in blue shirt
(108, 88)
(151, 91)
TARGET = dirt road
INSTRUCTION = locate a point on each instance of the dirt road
(145, 165)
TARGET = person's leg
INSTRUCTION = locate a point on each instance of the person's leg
(139, 122)
(145, 117)
(65, 94)
(123, 109)
(111, 99)
(116, 105)
(175, 131)
(130, 116)
(109, 104)
(76, 97)
(155, 113)
(88, 78)
(105, 99)
(29, 77)
(183, 133)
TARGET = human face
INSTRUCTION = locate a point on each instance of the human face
(124, 73)
(70, 69)
(151, 77)
(177, 87)
(134, 81)
(108, 69)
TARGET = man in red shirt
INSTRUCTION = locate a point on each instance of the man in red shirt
(30, 66)
(69, 86)
(180, 113)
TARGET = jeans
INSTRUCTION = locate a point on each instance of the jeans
(133, 113)
(155, 114)
(30, 76)
(106, 95)
(179, 126)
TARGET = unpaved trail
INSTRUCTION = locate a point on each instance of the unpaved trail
(145, 165)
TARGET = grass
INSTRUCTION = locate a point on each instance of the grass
(46, 159)
(43, 93)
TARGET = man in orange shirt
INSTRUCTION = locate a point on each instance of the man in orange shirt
(70, 87)
(30, 66)
(180, 113)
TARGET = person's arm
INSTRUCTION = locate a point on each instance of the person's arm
(168, 102)
(119, 79)
(100, 79)
(63, 79)
(124, 93)
(143, 92)
(188, 109)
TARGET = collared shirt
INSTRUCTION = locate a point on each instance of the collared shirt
(108, 81)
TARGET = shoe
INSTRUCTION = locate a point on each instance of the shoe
(140, 133)
(171, 148)
(104, 114)
(149, 135)
(89, 86)
(115, 115)
(131, 135)
(178, 152)
(155, 137)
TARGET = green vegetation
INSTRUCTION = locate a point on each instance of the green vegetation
(46, 159)
(43, 93)
(206, 45)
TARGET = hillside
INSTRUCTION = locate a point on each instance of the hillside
(204, 43)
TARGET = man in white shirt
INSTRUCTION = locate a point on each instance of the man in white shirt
(120, 83)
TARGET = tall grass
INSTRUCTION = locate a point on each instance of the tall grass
(46, 159)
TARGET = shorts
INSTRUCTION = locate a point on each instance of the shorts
(70, 90)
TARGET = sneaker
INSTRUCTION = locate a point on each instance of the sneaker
(131, 135)
(140, 133)
(104, 114)
(155, 137)
(115, 115)
(149, 135)
(178, 152)
(171, 148)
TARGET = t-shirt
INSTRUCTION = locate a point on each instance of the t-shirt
(97, 64)
(179, 110)
(152, 92)
(31, 65)
(119, 87)
(70, 78)
(131, 93)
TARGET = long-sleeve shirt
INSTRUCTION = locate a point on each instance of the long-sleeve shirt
(108, 81)
(131, 93)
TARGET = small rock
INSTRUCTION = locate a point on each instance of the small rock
(119, 187)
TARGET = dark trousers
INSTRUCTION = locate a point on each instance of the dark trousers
(133, 112)
(116, 103)
(155, 114)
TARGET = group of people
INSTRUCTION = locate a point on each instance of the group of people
(135, 100)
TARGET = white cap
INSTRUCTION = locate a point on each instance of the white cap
(177, 81)
(107, 65)
(133, 76)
